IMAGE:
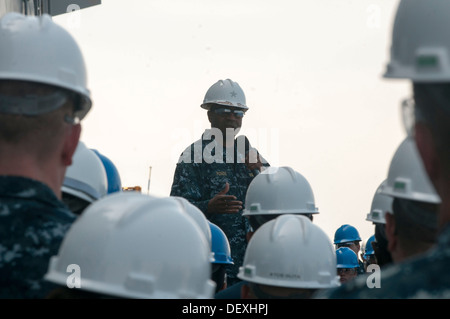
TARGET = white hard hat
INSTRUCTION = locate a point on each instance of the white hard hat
(290, 251)
(197, 215)
(381, 204)
(35, 49)
(407, 177)
(420, 48)
(279, 190)
(227, 93)
(86, 177)
(133, 245)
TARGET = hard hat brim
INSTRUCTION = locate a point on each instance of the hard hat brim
(207, 106)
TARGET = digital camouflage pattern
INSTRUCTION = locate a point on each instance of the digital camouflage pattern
(32, 225)
(422, 277)
(201, 173)
(361, 269)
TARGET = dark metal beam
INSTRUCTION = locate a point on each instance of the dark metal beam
(56, 7)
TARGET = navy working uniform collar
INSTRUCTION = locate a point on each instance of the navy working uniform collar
(28, 189)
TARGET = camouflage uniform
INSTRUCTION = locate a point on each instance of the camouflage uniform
(201, 174)
(32, 225)
(422, 277)
(361, 270)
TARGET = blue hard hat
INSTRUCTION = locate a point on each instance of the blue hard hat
(368, 251)
(220, 246)
(114, 182)
(346, 233)
(346, 258)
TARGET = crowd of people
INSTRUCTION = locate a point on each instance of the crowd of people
(233, 226)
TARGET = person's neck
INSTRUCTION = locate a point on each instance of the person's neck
(227, 140)
(26, 167)
(444, 212)
(443, 189)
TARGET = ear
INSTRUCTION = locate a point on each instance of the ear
(70, 143)
(390, 232)
(209, 116)
(427, 150)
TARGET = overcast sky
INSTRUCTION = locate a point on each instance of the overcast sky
(311, 71)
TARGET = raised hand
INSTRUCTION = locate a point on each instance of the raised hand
(224, 204)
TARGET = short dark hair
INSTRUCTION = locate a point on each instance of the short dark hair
(415, 224)
(432, 103)
(37, 133)
(381, 246)
(219, 275)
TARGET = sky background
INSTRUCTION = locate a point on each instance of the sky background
(311, 71)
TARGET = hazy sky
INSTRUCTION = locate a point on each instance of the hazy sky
(311, 71)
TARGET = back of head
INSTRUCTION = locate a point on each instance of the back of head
(407, 182)
(38, 134)
(132, 245)
(432, 107)
(292, 252)
(42, 84)
(381, 250)
(416, 225)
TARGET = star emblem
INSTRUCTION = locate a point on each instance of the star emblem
(233, 94)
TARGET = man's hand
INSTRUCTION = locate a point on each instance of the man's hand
(224, 204)
(253, 160)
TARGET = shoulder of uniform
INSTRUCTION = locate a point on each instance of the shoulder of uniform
(194, 153)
